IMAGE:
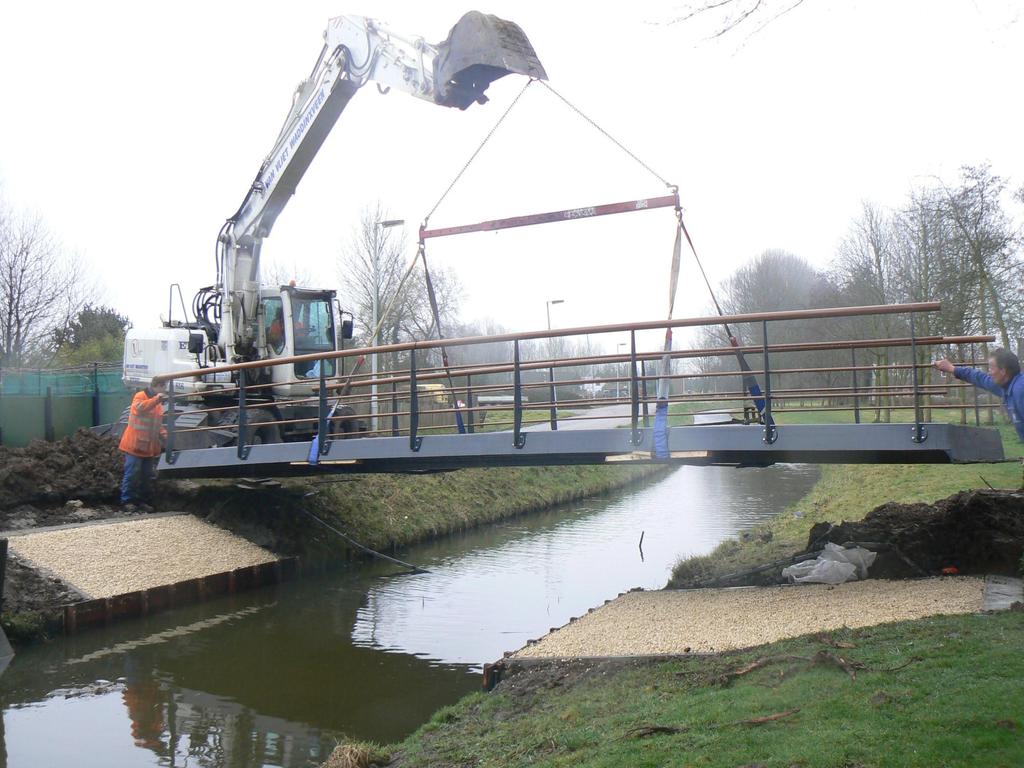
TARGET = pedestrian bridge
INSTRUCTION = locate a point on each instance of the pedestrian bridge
(534, 399)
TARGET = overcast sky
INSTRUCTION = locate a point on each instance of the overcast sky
(136, 128)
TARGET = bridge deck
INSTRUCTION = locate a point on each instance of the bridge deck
(727, 444)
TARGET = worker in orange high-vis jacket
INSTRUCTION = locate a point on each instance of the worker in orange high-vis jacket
(142, 442)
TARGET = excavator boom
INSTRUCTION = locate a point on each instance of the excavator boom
(454, 73)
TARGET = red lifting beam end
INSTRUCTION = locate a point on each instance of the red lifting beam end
(547, 218)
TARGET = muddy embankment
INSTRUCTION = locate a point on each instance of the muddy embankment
(976, 532)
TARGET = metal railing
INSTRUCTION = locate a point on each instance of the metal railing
(497, 377)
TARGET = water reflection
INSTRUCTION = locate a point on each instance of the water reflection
(276, 677)
(514, 582)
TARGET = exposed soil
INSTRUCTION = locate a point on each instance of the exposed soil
(84, 467)
(73, 480)
(976, 532)
(30, 590)
(77, 479)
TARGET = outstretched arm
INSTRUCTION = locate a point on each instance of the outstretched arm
(970, 375)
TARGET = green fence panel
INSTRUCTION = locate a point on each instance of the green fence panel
(112, 405)
(21, 418)
(79, 381)
(70, 413)
(23, 402)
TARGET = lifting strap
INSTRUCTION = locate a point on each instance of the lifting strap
(749, 380)
(661, 417)
(660, 450)
(432, 297)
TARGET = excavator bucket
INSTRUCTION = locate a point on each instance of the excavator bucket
(480, 49)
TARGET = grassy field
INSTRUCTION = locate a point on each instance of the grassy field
(932, 693)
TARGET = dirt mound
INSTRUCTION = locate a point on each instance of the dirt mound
(83, 466)
(973, 531)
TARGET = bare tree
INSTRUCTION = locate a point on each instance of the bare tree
(371, 269)
(990, 242)
(731, 14)
(41, 288)
(955, 245)
(281, 273)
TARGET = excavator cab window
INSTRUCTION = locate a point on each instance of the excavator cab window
(313, 328)
(274, 325)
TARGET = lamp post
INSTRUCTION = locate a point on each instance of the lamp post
(375, 321)
(551, 370)
(618, 347)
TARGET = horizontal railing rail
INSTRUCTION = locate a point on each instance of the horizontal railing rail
(505, 389)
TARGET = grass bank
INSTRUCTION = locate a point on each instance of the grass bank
(400, 510)
(945, 691)
(389, 512)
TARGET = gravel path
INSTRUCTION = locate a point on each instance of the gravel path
(705, 620)
(111, 559)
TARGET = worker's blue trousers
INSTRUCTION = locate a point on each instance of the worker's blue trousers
(136, 485)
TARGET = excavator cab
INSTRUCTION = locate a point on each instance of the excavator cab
(297, 321)
(481, 48)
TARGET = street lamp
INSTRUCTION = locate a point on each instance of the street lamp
(378, 246)
(551, 370)
(547, 306)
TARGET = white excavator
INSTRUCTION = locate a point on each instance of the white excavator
(239, 320)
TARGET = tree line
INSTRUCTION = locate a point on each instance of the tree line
(954, 243)
(49, 312)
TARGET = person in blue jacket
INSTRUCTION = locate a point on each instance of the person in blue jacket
(1003, 379)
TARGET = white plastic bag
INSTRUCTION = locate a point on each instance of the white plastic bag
(798, 570)
(860, 557)
(834, 565)
(828, 572)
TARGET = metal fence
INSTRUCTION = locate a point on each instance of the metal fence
(49, 404)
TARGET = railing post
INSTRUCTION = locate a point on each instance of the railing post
(771, 434)
(323, 427)
(470, 423)
(919, 434)
(643, 391)
(169, 453)
(394, 409)
(3, 569)
(415, 441)
(243, 419)
(518, 438)
(977, 408)
(554, 402)
(95, 395)
(48, 432)
(634, 392)
(856, 399)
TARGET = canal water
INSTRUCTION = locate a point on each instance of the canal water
(278, 676)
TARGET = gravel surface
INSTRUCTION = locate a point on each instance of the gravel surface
(707, 620)
(110, 559)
